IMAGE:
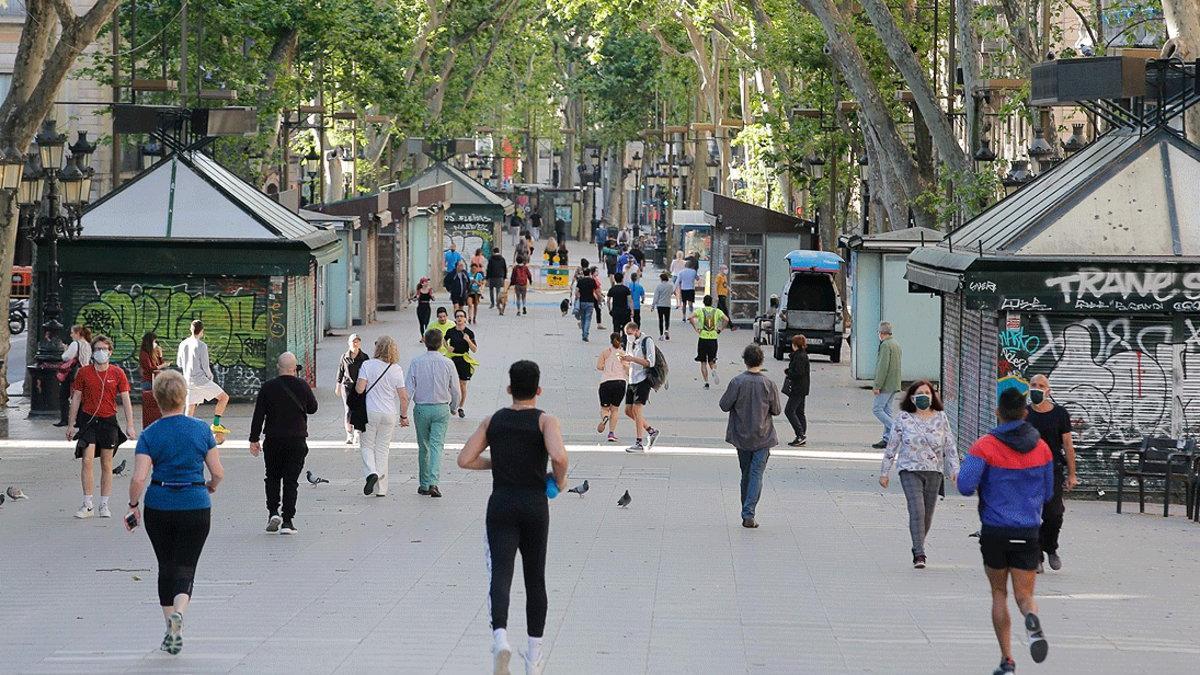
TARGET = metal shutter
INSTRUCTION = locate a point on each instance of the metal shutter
(976, 395)
(952, 357)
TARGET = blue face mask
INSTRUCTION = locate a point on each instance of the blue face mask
(100, 356)
(922, 401)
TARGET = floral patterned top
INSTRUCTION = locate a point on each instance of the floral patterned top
(921, 445)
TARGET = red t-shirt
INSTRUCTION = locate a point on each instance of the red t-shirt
(100, 389)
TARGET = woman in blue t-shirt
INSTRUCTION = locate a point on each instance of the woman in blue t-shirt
(178, 508)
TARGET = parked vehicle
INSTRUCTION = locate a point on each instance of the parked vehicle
(17, 317)
(810, 305)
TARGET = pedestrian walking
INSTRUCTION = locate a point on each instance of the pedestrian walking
(192, 358)
(424, 298)
(601, 239)
(381, 382)
(460, 343)
(172, 455)
(520, 439)
(96, 432)
(620, 305)
(639, 354)
(281, 410)
(922, 444)
(609, 255)
(432, 384)
(515, 225)
(639, 256)
(708, 322)
(560, 231)
(677, 265)
(458, 284)
(598, 299)
(497, 273)
(535, 225)
(450, 258)
(150, 364)
(347, 375)
(663, 292)
(478, 261)
(77, 355)
(585, 300)
(521, 278)
(614, 376)
(474, 296)
(752, 400)
(1053, 423)
(1012, 468)
(887, 381)
(637, 296)
(722, 288)
(795, 388)
(685, 285)
(530, 243)
(563, 254)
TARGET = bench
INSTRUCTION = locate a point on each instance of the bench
(1159, 458)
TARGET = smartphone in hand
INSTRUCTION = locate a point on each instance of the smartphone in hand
(131, 521)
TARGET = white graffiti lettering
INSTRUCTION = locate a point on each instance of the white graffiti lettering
(981, 286)
(1024, 305)
(1150, 286)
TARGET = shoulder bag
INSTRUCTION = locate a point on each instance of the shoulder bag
(356, 403)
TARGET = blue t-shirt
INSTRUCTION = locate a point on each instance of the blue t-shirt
(452, 258)
(639, 294)
(177, 446)
(686, 279)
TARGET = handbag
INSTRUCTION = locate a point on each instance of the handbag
(64, 370)
(787, 388)
(356, 403)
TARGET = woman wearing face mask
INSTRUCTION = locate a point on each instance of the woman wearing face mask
(922, 443)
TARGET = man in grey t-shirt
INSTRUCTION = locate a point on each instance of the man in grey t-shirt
(751, 399)
(192, 359)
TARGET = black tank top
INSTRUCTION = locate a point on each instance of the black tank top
(424, 298)
(518, 449)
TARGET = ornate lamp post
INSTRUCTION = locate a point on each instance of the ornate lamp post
(52, 197)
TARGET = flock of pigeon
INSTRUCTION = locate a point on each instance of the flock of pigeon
(580, 489)
(14, 493)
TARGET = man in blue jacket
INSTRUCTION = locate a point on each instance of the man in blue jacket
(1013, 471)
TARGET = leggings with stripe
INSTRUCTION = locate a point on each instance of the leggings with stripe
(178, 538)
(518, 520)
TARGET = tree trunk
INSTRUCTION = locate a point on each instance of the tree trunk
(968, 61)
(1183, 25)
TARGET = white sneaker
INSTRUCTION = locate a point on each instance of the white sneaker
(104, 512)
(273, 523)
(535, 668)
(349, 438)
(500, 657)
(716, 379)
(84, 512)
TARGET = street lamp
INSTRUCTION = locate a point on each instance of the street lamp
(52, 196)
(1017, 177)
(311, 161)
(816, 166)
(1076, 142)
(11, 164)
(151, 153)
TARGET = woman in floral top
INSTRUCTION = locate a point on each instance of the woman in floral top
(922, 443)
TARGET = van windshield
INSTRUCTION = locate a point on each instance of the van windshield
(811, 293)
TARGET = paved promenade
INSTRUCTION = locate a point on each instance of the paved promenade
(672, 584)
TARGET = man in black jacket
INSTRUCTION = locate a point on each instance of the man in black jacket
(285, 403)
(497, 272)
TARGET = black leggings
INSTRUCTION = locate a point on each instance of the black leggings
(518, 520)
(423, 316)
(177, 538)
(794, 411)
(664, 320)
(284, 460)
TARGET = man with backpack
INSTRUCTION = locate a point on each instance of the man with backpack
(647, 370)
(521, 277)
(708, 322)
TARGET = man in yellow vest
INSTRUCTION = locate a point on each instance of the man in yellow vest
(708, 322)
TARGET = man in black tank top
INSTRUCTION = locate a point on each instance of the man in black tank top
(520, 438)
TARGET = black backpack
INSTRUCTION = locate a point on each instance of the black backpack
(656, 375)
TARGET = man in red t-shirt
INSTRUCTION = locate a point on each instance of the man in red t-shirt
(95, 390)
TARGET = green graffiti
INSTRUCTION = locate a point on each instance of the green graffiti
(235, 327)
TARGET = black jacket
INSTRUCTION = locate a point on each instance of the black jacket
(348, 367)
(797, 373)
(497, 267)
(285, 402)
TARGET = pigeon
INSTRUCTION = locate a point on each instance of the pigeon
(1, 499)
(314, 480)
(624, 500)
(580, 489)
(974, 534)
(119, 469)
(14, 492)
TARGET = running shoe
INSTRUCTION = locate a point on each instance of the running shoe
(800, 442)
(603, 423)
(370, 486)
(104, 512)
(919, 562)
(716, 378)
(880, 445)
(84, 512)
(1038, 647)
(175, 633)
(288, 528)
(1006, 666)
(273, 523)
(1055, 562)
(501, 655)
(749, 523)
(612, 438)
(653, 434)
(535, 667)
(220, 429)
(667, 337)
(524, 310)
(706, 385)
(461, 414)
(636, 448)
(349, 438)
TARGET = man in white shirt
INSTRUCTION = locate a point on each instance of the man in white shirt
(640, 355)
(192, 358)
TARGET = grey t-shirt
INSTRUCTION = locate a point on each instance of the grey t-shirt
(662, 294)
(751, 399)
(193, 360)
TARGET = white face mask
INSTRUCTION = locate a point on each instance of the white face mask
(100, 356)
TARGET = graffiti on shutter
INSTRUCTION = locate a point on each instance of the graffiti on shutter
(952, 357)
(1116, 375)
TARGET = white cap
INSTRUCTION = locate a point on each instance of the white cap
(350, 340)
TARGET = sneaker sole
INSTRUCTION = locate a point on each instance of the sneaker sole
(287, 531)
(1038, 647)
(501, 663)
(273, 524)
(370, 486)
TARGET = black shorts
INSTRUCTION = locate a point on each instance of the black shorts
(463, 368)
(103, 432)
(458, 299)
(706, 350)
(1001, 552)
(612, 392)
(687, 296)
(638, 393)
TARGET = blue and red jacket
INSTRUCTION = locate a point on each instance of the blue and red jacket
(1013, 470)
